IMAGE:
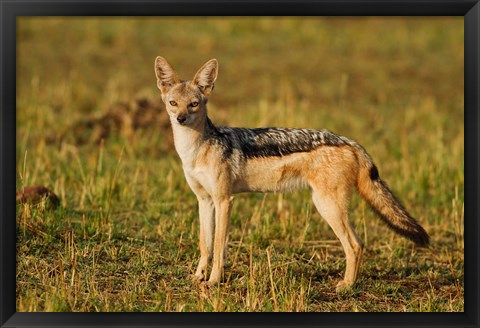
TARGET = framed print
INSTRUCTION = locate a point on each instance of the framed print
(326, 178)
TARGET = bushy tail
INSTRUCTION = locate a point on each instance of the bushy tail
(376, 192)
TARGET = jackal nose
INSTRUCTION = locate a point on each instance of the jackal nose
(181, 118)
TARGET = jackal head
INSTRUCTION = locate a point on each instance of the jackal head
(185, 100)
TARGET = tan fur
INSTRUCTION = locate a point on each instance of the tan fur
(330, 172)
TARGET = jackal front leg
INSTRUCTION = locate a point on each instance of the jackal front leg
(223, 208)
(206, 211)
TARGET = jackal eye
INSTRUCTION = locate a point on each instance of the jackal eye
(194, 104)
(173, 103)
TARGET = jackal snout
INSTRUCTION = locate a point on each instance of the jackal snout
(186, 118)
(182, 118)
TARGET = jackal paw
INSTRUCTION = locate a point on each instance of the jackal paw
(197, 277)
(343, 286)
(212, 282)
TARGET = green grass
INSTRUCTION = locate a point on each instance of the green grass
(125, 236)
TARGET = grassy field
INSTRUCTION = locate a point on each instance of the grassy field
(125, 235)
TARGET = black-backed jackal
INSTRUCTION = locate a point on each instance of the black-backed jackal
(221, 161)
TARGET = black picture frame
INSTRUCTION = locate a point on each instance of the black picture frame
(10, 10)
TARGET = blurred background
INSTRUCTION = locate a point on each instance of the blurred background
(354, 69)
(91, 127)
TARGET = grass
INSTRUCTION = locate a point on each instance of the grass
(125, 236)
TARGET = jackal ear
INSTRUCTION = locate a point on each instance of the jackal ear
(206, 76)
(166, 75)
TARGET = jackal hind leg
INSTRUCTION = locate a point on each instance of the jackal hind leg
(334, 211)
